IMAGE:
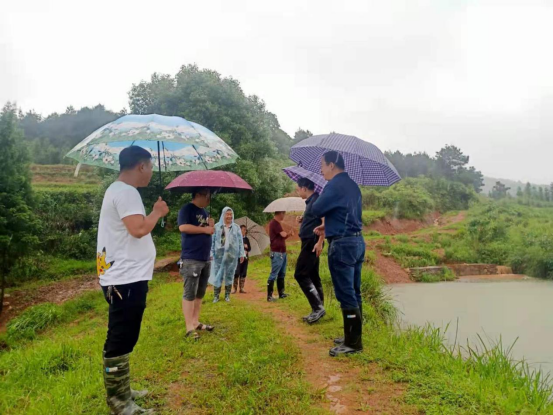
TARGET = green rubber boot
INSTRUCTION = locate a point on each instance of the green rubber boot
(117, 380)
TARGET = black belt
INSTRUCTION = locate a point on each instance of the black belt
(335, 238)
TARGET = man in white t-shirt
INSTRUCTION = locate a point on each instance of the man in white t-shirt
(125, 263)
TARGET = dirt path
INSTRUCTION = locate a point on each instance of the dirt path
(348, 388)
(56, 292)
(388, 268)
(443, 222)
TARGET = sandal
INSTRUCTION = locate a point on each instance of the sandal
(206, 327)
(193, 334)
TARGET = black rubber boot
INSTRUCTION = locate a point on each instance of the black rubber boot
(316, 315)
(318, 310)
(280, 287)
(227, 293)
(340, 340)
(305, 289)
(235, 285)
(270, 289)
(353, 329)
(321, 293)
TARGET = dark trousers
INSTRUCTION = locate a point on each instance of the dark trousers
(126, 308)
(241, 269)
(345, 262)
(307, 266)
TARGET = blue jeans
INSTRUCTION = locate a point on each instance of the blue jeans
(279, 261)
(345, 261)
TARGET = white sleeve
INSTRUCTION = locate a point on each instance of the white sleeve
(128, 202)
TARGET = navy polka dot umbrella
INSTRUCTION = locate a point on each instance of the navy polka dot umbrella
(365, 163)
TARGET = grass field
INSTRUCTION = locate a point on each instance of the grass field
(253, 363)
(52, 361)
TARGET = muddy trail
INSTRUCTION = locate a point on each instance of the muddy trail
(393, 226)
(342, 382)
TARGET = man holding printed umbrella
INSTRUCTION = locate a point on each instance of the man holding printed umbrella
(346, 162)
(136, 145)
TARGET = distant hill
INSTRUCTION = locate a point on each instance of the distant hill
(489, 183)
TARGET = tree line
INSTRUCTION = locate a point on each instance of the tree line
(449, 163)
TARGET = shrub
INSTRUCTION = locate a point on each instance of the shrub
(445, 275)
(410, 256)
(408, 199)
(369, 216)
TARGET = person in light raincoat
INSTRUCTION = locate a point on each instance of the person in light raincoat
(227, 249)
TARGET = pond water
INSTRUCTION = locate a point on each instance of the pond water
(511, 310)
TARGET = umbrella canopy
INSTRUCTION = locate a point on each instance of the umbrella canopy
(365, 163)
(297, 172)
(259, 240)
(175, 144)
(216, 180)
(286, 204)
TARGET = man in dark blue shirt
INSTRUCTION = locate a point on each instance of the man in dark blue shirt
(340, 205)
(196, 229)
(307, 266)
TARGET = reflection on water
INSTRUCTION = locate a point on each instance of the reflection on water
(511, 309)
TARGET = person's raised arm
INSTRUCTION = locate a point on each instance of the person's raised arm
(327, 201)
(185, 227)
(196, 230)
(139, 225)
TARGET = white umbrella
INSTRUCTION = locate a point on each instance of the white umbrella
(259, 240)
(286, 204)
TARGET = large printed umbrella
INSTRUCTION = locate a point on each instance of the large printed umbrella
(297, 172)
(216, 180)
(286, 204)
(259, 240)
(365, 163)
(175, 144)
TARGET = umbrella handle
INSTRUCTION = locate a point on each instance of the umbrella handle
(162, 222)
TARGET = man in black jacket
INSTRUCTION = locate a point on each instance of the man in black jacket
(307, 266)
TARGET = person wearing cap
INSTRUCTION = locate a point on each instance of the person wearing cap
(340, 206)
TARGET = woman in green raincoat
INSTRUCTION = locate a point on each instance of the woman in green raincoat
(227, 248)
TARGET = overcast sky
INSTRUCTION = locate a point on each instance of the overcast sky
(407, 75)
